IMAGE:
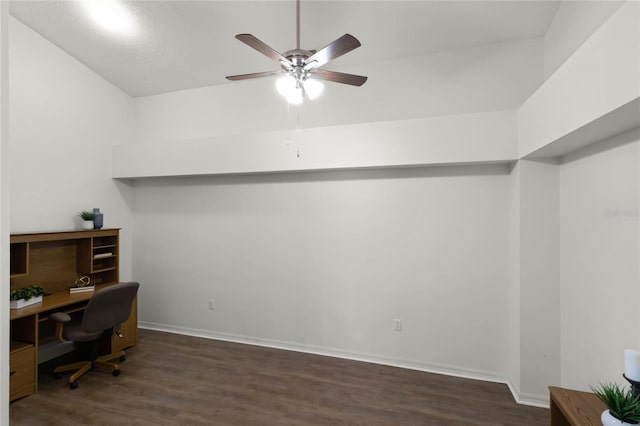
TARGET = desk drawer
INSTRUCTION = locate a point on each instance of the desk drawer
(22, 382)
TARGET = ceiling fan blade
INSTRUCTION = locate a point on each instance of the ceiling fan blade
(254, 42)
(252, 75)
(339, 47)
(339, 77)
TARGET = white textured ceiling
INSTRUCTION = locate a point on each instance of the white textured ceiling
(190, 44)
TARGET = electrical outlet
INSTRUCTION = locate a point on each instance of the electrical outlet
(398, 324)
(212, 303)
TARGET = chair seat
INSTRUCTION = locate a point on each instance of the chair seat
(77, 334)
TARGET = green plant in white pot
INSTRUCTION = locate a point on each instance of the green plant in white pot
(623, 406)
(26, 296)
(87, 219)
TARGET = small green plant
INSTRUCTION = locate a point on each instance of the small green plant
(26, 293)
(87, 215)
(622, 403)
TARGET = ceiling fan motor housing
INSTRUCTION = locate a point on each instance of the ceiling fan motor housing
(298, 57)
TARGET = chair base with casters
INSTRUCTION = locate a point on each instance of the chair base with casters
(105, 312)
(84, 366)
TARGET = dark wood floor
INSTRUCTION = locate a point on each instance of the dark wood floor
(170, 379)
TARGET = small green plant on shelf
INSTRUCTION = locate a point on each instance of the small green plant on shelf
(87, 215)
(26, 293)
(622, 403)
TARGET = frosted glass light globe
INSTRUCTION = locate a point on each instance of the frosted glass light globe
(286, 85)
(313, 88)
(295, 97)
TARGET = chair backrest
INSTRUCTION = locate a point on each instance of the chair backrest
(109, 307)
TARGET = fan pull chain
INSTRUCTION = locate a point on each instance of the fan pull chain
(298, 133)
(289, 132)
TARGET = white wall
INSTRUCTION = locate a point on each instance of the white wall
(4, 212)
(591, 97)
(599, 249)
(539, 279)
(513, 366)
(200, 131)
(64, 121)
(534, 305)
(484, 78)
(573, 23)
(326, 261)
(600, 77)
(486, 137)
(457, 107)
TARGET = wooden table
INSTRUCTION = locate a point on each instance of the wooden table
(572, 407)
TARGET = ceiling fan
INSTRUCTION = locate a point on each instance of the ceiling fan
(301, 68)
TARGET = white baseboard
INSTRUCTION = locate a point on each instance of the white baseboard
(525, 399)
(534, 400)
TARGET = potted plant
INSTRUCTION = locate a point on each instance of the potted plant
(623, 405)
(26, 296)
(87, 218)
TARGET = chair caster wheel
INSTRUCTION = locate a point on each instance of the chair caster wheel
(123, 358)
(116, 373)
(73, 385)
(58, 376)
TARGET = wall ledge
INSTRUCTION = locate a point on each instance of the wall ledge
(593, 96)
(477, 138)
(616, 122)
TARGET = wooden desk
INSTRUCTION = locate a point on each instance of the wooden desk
(53, 301)
(31, 329)
(576, 408)
(53, 260)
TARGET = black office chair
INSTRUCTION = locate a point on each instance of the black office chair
(106, 311)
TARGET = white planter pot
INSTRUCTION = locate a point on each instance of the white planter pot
(87, 224)
(21, 303)
(608, 420)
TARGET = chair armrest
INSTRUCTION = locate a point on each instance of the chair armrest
(60, 318)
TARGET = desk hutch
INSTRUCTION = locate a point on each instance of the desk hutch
(53, 260)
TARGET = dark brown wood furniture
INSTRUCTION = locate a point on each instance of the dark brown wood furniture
(576, 408)
(53, 260)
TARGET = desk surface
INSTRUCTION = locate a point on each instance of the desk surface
(54, 301)
(572, 407)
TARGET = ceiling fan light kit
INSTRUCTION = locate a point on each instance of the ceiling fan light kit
(301, 68)
(295, 89)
